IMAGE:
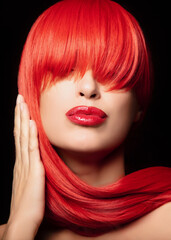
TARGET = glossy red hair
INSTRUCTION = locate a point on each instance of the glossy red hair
(73, 36)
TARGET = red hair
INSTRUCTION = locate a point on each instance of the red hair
(101, 35)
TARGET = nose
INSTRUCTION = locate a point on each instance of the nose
(87, 87)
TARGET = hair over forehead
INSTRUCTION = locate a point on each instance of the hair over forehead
(101, 35)
(82, 34)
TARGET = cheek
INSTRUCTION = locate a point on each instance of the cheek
(62, 133)
(117, 130)
(51, 119)
(53, 106)
(121, 119)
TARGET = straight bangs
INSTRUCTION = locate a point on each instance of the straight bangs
(74, 36)
(69, 38)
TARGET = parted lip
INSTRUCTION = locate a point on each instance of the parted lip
(86, 110)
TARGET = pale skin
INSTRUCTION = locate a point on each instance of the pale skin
(28, 193)
(95, 154)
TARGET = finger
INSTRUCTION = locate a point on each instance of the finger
(34, 154)
(33, 141)
(17, 132)
(17, 127)
(24, 132)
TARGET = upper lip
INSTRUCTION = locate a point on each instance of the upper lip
(87, 110)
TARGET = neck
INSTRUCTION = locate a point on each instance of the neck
(96, 169)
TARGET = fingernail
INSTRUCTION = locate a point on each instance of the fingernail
(21, 106)
(20, 99)
(31, 123)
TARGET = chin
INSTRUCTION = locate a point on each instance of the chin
(86, 147)
(80, 147)
(85, 142)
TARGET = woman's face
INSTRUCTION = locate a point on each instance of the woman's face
(90, 133)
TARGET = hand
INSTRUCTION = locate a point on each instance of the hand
(28, 191)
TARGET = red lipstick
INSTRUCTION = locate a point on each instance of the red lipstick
(86, 116)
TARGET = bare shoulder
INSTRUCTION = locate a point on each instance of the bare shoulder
(153, 226)
(2, 229)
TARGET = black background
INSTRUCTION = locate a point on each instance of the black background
(150, 147)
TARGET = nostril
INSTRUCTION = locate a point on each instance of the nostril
(93, 95)
(90, 96)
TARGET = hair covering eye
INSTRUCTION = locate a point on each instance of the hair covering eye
(101, 35)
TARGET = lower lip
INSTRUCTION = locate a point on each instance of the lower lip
(86, 120)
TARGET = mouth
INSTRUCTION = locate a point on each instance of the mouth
(86, 115)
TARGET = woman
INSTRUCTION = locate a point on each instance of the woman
(84, 81)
